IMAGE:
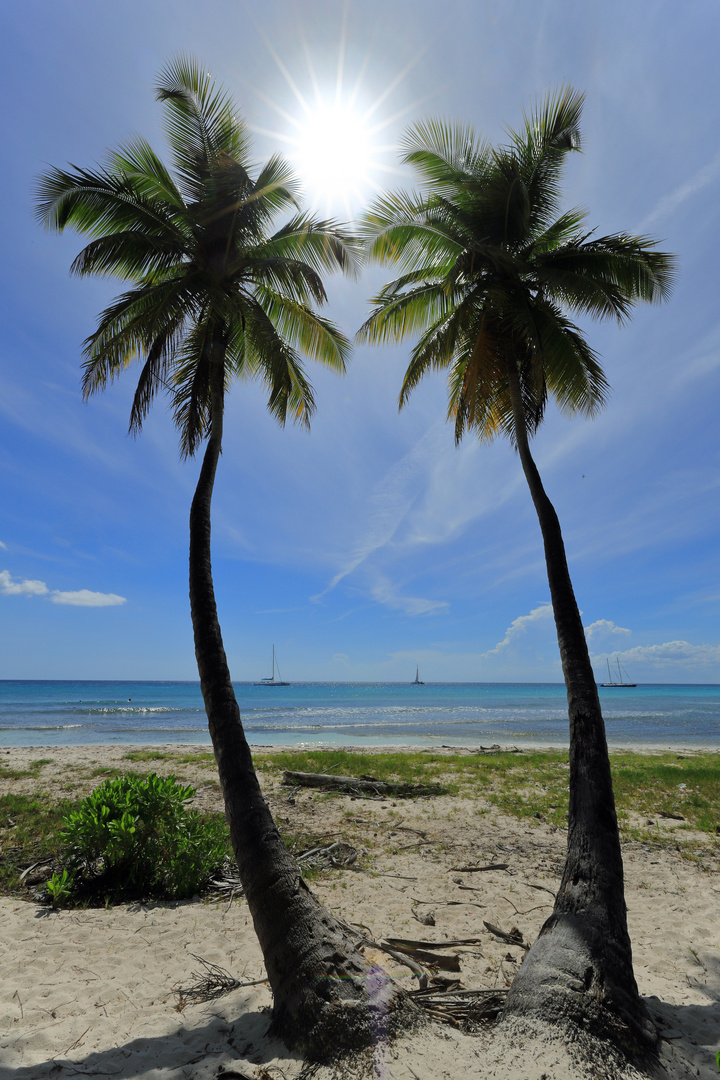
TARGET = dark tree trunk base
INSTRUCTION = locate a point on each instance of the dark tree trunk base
(348, 1006)
(562, 981)
(327, 997)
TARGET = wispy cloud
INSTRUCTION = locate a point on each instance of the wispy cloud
(520, 626)
(3, 546)
(10, 586)
(390, 502)
(670, 203)
(384, 592)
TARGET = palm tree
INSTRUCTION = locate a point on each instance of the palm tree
(491, 271)
(215, 295)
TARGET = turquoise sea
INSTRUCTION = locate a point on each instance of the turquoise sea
(352, 714)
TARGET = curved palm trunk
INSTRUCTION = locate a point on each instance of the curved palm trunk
(326, 995)
(580, 967)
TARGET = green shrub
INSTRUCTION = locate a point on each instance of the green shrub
(134, 838)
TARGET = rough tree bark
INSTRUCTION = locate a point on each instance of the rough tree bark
(327, 997)
(580, 968)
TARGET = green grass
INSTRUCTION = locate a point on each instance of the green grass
(33, 770)
(147, 755)
(675, 784)
(534, 785)
(203, 758)
(32, 825)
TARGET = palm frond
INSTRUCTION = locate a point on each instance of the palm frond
(130, 255)
(446, 338)
(201, 122)
(279, 367)
(153, 376)
(446, 154)
(100, 203)
(152, 180)
(323, 245)
(406, 313)
(305, 331)
(127, 329)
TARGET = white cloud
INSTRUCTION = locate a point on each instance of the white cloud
(669, 203)
(673, 652)
(10, 587)
(340, 658)
(86, 598)
(602, 629)
(519, 626)
(80, 598)
(3, 546)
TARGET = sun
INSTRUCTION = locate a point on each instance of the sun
(335, 155)
(337, 132)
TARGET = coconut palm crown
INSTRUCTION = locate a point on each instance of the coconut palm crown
(207, 271)
(493, 272)
(493, 269)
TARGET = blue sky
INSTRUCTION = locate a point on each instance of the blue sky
(372, 544)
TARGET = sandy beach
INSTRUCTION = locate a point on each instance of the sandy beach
(98, 992)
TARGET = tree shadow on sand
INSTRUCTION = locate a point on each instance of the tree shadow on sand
(197, 1051)
(690, 1034)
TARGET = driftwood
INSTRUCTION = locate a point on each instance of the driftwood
(355, 786)
(541, 888)
(400, 957)
(411, 957)
(434, 961)
(512, 937)
(410, 944)
(479, 869)
(425, 951)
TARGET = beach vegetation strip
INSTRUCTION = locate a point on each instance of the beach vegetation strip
(665, 787)
(662, 798)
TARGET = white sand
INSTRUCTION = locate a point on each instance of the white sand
(90, 993)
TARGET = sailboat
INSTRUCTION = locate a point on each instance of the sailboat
(271, 680)
(418, 681)
(619, 682)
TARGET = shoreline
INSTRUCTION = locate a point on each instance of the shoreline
(376, 748)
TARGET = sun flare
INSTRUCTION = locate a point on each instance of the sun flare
(334, 154)
(340, 131)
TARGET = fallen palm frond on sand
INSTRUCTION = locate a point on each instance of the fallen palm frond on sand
(212, 982)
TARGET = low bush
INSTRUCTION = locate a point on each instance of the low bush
(134, 838)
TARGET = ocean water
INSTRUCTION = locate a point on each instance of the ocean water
(352, 714)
